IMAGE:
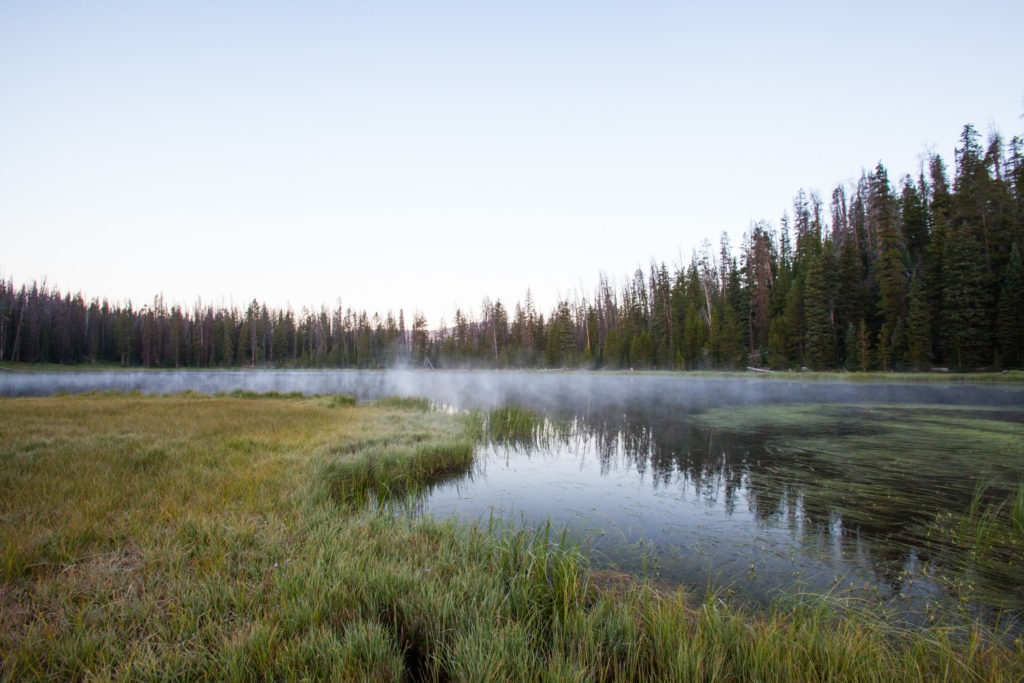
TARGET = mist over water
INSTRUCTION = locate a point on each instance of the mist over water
(552, 390)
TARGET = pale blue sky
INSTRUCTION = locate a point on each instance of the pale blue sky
(426, 154)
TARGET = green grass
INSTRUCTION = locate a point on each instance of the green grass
(226, 539)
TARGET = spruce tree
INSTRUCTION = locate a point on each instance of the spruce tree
(778, 344)
(914, 218)
(934, 256)
(1010, 323)
(732, 338)
(694, 336)
(889, 272)
(918, 326)
(795, 322)
(966, 333)
(864, 346)
(820, 347)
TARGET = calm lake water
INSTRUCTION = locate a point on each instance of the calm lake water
(759, 486)
(755, 511)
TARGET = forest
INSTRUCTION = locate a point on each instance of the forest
(883, 274)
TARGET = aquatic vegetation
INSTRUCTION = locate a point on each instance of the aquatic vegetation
(1017, 511)
(243, 393)
(982, 549)
(937, 486)
(520, 427)
(405, 402)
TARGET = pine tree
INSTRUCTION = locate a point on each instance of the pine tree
(934, 256)
(611, 351)
(760, 278)
(731, 338)
(778, 344)
(795, 322)
(820, 347)
(884, 351)
(915, 219)
(918, 327)
(890, 271)
(850, 348)
(864, 346)
(694, 336)
(1010, 323)
(1015, 178)
(420, 339)
(966, 333)
(641, 351)
(851, 297)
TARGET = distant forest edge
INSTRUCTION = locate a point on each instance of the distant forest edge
(909, 275)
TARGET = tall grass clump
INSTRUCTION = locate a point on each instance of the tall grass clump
(518, 427)
(386, 463)
(983, 547)
(405, 403)
(339, 400)
(176, 538)
(1017, 511)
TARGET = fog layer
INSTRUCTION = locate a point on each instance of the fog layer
(540, 390)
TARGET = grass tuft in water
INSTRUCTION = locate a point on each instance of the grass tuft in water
(247, 394)
(405, 403)
(516, 427)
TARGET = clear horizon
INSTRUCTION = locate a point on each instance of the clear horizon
(408, 156)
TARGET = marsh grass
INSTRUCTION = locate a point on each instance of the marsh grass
(245, 393)
(205, 539)
(984, 544)
(405, 402)
(517, 427)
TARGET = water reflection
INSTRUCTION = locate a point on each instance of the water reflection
(654, 490)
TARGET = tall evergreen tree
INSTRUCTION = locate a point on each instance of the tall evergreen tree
(890, 270)
(966, 332)
(1010, 324)
(918, 326)
(913, 212)
(820, 346)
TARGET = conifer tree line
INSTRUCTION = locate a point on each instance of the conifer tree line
(882, 274)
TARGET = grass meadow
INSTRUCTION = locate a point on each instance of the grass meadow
(239, 538)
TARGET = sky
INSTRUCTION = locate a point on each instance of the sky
(424, 155)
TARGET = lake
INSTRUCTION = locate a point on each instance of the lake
(905, 495)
